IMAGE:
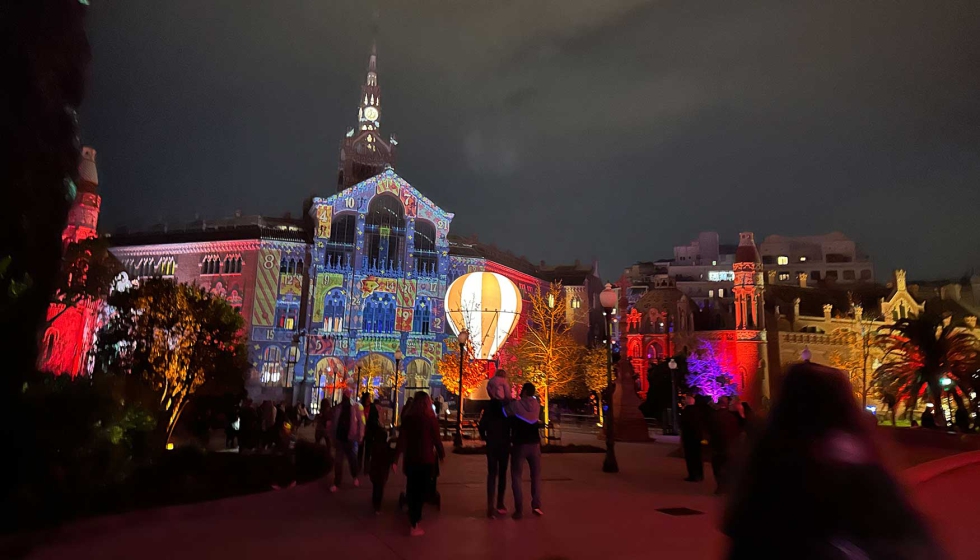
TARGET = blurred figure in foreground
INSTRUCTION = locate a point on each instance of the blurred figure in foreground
(723, 435)
(814, 486)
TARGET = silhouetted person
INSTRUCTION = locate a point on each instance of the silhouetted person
(692, 432)
(962, 419)
(723, 433)
(524, 415)
(811, 478)
(495, 430)
(373, 431)
(928, 420)
(348, 431)
(420, 445)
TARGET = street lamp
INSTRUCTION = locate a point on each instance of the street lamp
(394, 392)
(608, 300)
(672, 364)
(463, 337)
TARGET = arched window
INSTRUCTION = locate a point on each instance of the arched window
(287, 318)
(334, 310)
(343, 237)
(50, 339)
(426, 257)
(384, 230)
(233, 264)
(379, 313)
(271, 371)
(423, 315)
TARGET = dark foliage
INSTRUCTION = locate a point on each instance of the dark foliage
(43, 63)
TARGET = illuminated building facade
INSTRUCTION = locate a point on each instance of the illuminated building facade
(364, 152)
(67, 340)
(658, 321)
(329, 299)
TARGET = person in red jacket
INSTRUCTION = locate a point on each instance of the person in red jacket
(420, 445)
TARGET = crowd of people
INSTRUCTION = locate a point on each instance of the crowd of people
(724, 424)
(806, 473)
(266, 426)
(358, 435)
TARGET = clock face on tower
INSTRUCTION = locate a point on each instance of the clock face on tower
(371, 114)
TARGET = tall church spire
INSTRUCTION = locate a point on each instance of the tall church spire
(363, 152)
(369, 113)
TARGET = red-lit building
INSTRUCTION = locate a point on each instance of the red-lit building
(67, 340)
(659, 321)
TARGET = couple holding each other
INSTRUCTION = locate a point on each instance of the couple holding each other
(510, 428)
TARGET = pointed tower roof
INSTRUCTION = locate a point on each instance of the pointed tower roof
(88, 176)
(747, 251)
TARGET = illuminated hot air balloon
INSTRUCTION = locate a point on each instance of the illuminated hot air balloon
(486, 304)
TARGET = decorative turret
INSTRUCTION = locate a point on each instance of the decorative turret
(749, 285)
(364, 152)
(83, 218)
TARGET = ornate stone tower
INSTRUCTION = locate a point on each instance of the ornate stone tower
(83, 218)
(749, 286)
(68, 339)
(364, 153)
(750, 333)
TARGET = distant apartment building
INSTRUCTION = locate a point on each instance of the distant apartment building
(829, 259)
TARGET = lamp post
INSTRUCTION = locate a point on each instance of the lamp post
(608, 301)
(394, 391)
(463, 337)
(672, 364)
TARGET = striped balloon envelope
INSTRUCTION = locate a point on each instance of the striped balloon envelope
(486, 304)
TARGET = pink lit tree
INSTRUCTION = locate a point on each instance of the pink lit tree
(706, 375)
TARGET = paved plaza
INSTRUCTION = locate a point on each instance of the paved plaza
(588, 514)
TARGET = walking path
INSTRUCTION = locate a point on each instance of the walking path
(588, 514)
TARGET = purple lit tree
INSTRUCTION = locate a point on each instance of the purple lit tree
(706, 375)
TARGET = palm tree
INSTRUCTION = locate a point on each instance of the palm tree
(923, 354)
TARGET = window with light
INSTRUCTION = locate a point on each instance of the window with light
(782, 259)
(271, 372)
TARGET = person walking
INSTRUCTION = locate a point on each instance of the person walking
(420, 447)
(495, 430)
(348, 431)
(373, 431)
(724, 432)
(524, 415)
(321, 422)
(810, 477)
(692, 432)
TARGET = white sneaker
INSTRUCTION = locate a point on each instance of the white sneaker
(357, 483)
(333, 488)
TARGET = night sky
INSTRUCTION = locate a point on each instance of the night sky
(559, 130)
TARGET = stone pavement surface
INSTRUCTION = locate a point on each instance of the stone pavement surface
(588, 514)
(949, 501)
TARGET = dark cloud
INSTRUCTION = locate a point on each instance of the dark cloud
(561, 130)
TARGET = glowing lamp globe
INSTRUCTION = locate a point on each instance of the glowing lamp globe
(488, 306)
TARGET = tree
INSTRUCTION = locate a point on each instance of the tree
(547, 355)
(857, 355)
(175, 337)
(594, 374)
(473, 372)
(87, 274)
(706, 375)
(919, 354)
(44, 63)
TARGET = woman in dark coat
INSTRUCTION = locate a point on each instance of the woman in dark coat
(420, 445)
(814, 486)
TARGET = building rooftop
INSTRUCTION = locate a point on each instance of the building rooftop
(224, 229)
